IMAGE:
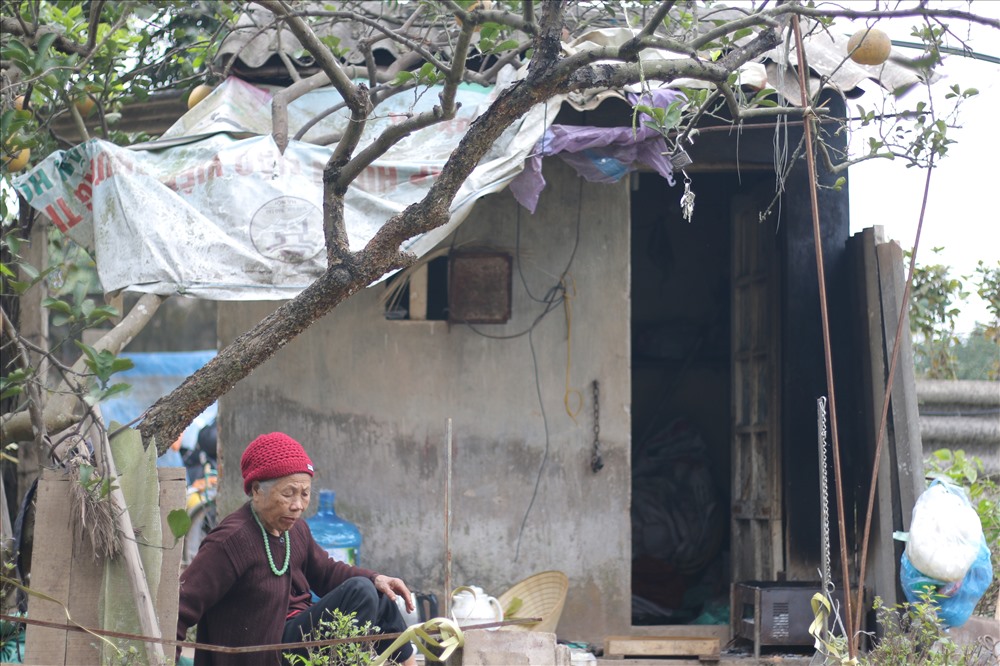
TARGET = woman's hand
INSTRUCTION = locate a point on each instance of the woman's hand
(391, 587)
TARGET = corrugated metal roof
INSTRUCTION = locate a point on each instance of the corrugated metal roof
(256, 40)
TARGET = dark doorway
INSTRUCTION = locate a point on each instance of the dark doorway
(682, 377)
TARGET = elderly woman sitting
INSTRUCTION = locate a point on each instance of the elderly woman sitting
(252, 580)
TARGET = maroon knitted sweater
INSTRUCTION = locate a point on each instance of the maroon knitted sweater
(230, 592)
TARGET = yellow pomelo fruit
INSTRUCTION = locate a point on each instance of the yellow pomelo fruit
(198, 93)
(478, 4)
(869, 46)
(18, 162)
(85, 105)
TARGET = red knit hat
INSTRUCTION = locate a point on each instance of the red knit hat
(273, 456)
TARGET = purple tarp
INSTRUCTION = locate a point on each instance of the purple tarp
(599, 154)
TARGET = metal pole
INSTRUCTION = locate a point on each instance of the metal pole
(447, 527)
(835, 441)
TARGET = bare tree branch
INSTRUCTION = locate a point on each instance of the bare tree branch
(284, 97)
(35, 402)
(65, 409)
(391, 34)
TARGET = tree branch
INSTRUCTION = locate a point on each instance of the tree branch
(478, 16)
(359, 104)
(95, 20)
(284, 97)
(62, 411)
(35, 405)
(922, 11)
(390, 34)
(61, 43)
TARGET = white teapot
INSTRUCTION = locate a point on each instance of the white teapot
(471, 605)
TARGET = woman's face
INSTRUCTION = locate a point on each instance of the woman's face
(279, 507)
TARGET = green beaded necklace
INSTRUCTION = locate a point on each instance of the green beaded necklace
(267, 547)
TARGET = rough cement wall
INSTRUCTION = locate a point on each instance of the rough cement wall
(370, 399)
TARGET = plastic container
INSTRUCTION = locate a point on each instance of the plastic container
(340, 538)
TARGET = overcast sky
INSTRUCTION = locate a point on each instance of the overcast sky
(962, 214)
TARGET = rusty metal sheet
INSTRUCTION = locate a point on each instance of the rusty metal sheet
(479, 287)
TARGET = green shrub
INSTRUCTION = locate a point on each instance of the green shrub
(339, 625)
(912, 635)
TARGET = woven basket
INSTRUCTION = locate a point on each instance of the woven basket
(541, 595)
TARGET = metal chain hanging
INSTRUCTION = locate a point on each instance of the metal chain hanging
(824, 496)
(596, 460)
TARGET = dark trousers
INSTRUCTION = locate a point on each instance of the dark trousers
(355, 595)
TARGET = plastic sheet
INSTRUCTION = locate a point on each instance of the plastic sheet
(945, 533)
(955, 601)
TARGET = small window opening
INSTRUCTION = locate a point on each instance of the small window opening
(423, 295)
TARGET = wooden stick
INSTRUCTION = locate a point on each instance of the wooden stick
(447, 527)
(133, 563)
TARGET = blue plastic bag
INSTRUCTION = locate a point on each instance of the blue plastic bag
(955, 601)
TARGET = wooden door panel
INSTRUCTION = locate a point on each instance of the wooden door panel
(756, 474)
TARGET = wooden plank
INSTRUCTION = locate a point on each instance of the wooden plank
(881, 566)
(717, 631)
(418, 294)
(49, 576)
(756, 489)
(660, 646)
(905, 415)
(173, 484)
(65, 569)
(86, 576)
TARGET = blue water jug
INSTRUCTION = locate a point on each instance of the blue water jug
(339, 537)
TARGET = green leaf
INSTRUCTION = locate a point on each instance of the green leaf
(10, 392)
(18, 53)
(30, 271)
(57, 305)
(672, 117)
(839, 185)
(506, 45)
(113, 390)
(45, 41)
(86, 472)
(103, 363)
(515, 605)
(19, 287)
(403, 77)
(179, 522)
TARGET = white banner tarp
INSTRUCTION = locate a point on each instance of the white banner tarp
(221, 213)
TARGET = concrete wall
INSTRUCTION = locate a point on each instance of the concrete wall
(370, 400)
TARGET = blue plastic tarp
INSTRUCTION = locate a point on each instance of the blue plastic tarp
(154, 375)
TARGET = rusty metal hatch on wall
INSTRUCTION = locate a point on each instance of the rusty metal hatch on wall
(479, 286)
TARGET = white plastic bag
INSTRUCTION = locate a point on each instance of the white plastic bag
(945, 533)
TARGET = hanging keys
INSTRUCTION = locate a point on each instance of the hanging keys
(687, 200)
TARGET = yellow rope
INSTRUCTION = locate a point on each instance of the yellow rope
(570, 392)
(451, 638)
(818, 629)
